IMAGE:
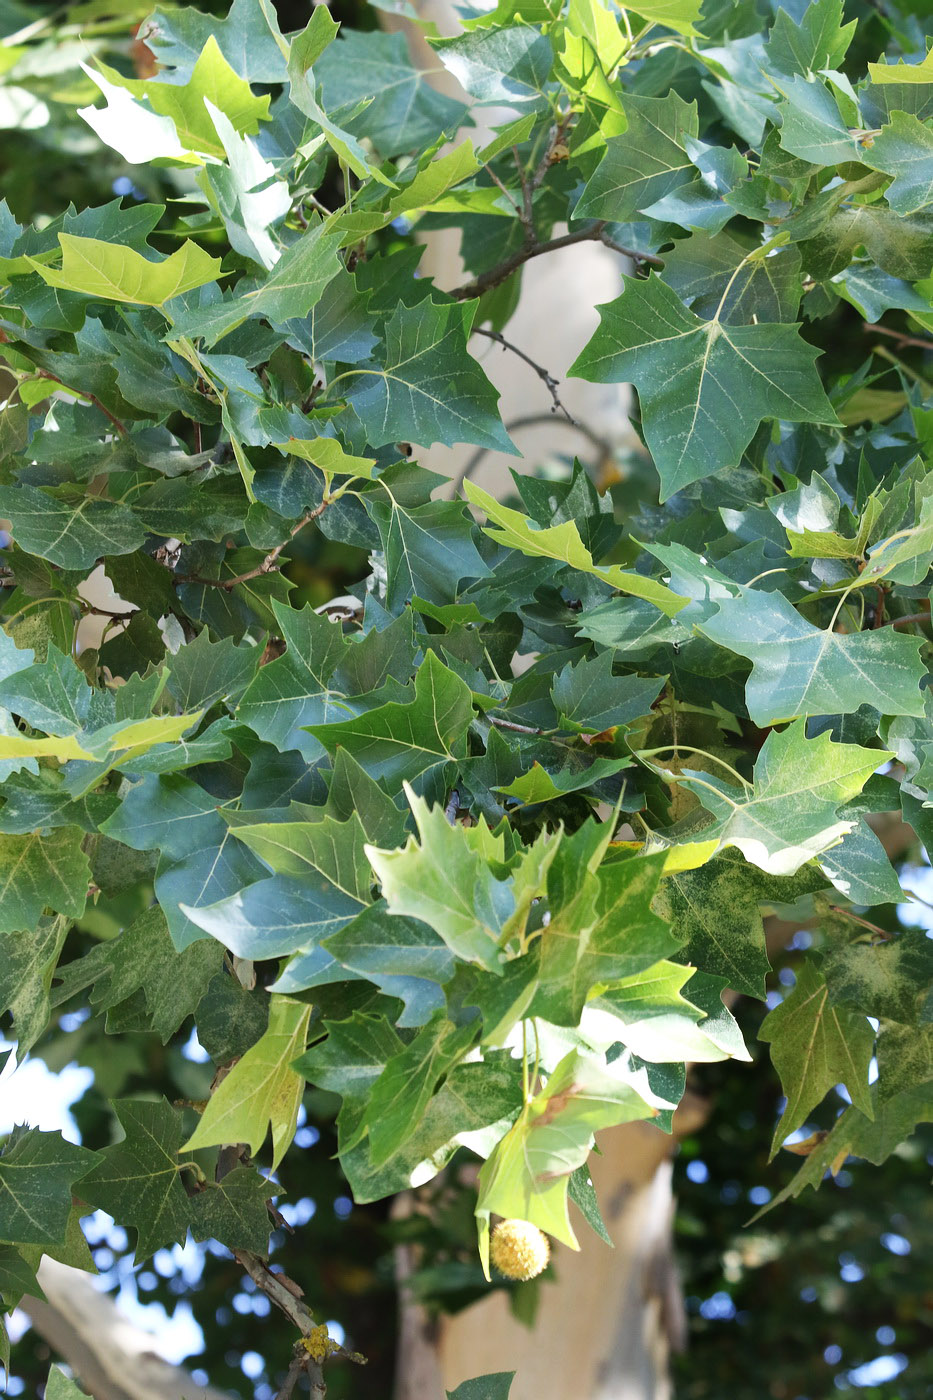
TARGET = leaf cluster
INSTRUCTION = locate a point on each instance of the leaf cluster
(478, 848)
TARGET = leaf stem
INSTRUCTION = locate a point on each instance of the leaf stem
(546, 378)
(704, 753)
(594, 233)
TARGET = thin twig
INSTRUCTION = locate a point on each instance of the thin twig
(268, 565)
(527, 215)
(547, 160)
(884, 934)
(878, 619)
(503, 187)
(82, 393)
(106, 612)
(907, 621)
(547, 379)
(898, 336)
(593, 233)
(518, 728)
(297, 1368)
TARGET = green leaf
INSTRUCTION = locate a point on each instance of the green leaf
(292, 691)
(62, 1387)
(703, 386)
(212, 81)
(234, 1210)
(348, 1062)
(812, 126)
(601, 928)
(114, 272)
(37, 1173)
(798, 669)
(39, 872)
(495, 1386)
(790, 812)
(454, 881)
(143, 958)
(203, 672)
(904, 148)
(645, 164)
(428, 549)
(401, 1094)
(403, 113)
(508, 66)
(855, 1134)
(292, 288)
(562, 542)
(816, 1044)
(137, 1179)
(305, 49)
(882, 979)
(262, 1090)
(427, 388)
(414, 741)
(402, 957)
(273, 917)
(72, 532)
(715, 912)
(679, 15)
(589, 698)
(52, 695)
(27, 964)
(541, 785)
(248, 39)
(811, 43)
(335, 848)
(899, 244)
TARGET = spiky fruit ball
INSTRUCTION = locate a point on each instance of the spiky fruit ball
(519, 1250)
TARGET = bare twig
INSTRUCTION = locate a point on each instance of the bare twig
(558, 133)
(517, 728)
(907, 621)
(898, 336)
(268, 565)
(531, 248)
(547, 379)
(106, 612)
(503, 187)
(527, 215)
(884, 934)
(301, 1365)
(82, 393)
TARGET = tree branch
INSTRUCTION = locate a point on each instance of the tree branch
(531, 248)
(269, 565)
(907, 621)
(898, 336)
(117, 423)
(547, 379)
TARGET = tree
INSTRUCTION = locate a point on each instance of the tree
(479, 910)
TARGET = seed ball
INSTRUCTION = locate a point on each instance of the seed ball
(519, 1250)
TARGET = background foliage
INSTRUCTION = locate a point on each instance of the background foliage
(729, 648)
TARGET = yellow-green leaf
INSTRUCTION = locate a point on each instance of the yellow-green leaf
(563, 542)
(118, 273)
(262, 1090)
